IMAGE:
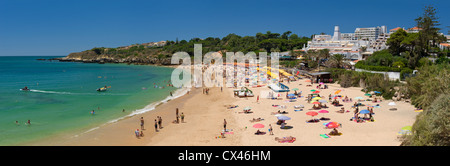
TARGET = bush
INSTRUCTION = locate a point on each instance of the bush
(432, 126)
(361, 65)
(404, 72)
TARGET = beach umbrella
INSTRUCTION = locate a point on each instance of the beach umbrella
(283, 118)
(367, 94)
(295, 89)
(323, 111)
(323, 101)
(376, 92)
(312, 90)
(321, 83)
(332, 125)
(316, 98)
(391, 104)
(364, 111)
(258, 125)
(307, 80)
(337, 92)
(316, 91)
(291, 94)
(312, 113)
(316, 102)
(359, 98)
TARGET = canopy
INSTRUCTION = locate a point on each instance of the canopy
(364, 111)
(312, 113)
(323, 101)
(258, 125)
(323, 111)
(283, 118)
(332, 125)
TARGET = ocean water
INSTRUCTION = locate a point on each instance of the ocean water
(64, 93)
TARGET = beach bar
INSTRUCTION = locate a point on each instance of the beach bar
(321, 77)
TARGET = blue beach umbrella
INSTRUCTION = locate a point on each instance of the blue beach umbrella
(376, 92)
(364, 111)
(283, 118)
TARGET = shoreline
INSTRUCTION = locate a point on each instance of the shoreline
(205, 114)
(61, 138)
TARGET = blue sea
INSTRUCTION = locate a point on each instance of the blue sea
(63, 94)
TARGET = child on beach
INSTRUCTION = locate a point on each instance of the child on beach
(136, 133)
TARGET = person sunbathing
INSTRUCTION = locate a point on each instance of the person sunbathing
(256, 120)
(325, 119)
(324, 106)
(260, 132)
(285, 139)
(246, 112)
(316, 107)
(334, 132)
(342, 110)
(278, 112)
(232, 106)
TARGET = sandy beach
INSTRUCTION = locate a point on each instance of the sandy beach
(205, 114)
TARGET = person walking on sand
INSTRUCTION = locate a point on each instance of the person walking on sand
(176, 115)
(142, 123)
(156, 126)
(160, 122)
(257, 99)
(270, 129)
(224, 125)
(182, 118)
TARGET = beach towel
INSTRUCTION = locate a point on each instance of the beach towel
(421, 110)
(298, 110)
(325, 136)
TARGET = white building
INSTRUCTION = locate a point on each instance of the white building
(340, 43)
(379, 43)
(370, 34)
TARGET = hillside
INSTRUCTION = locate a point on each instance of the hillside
(159, 53)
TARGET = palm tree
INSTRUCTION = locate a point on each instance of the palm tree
(336, 61)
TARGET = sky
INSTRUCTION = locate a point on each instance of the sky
(60, 27)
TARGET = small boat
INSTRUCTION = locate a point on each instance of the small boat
(25, 89)
(102, 89)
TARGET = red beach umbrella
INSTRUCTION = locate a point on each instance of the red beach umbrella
(316, 102)
(312, 113)
(316, 91)
(258, 125)
(333, 125)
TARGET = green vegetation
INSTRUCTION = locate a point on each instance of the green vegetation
(408, 51)
(370, 81)
(430, 90)
(269, 42)
(415, 46)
